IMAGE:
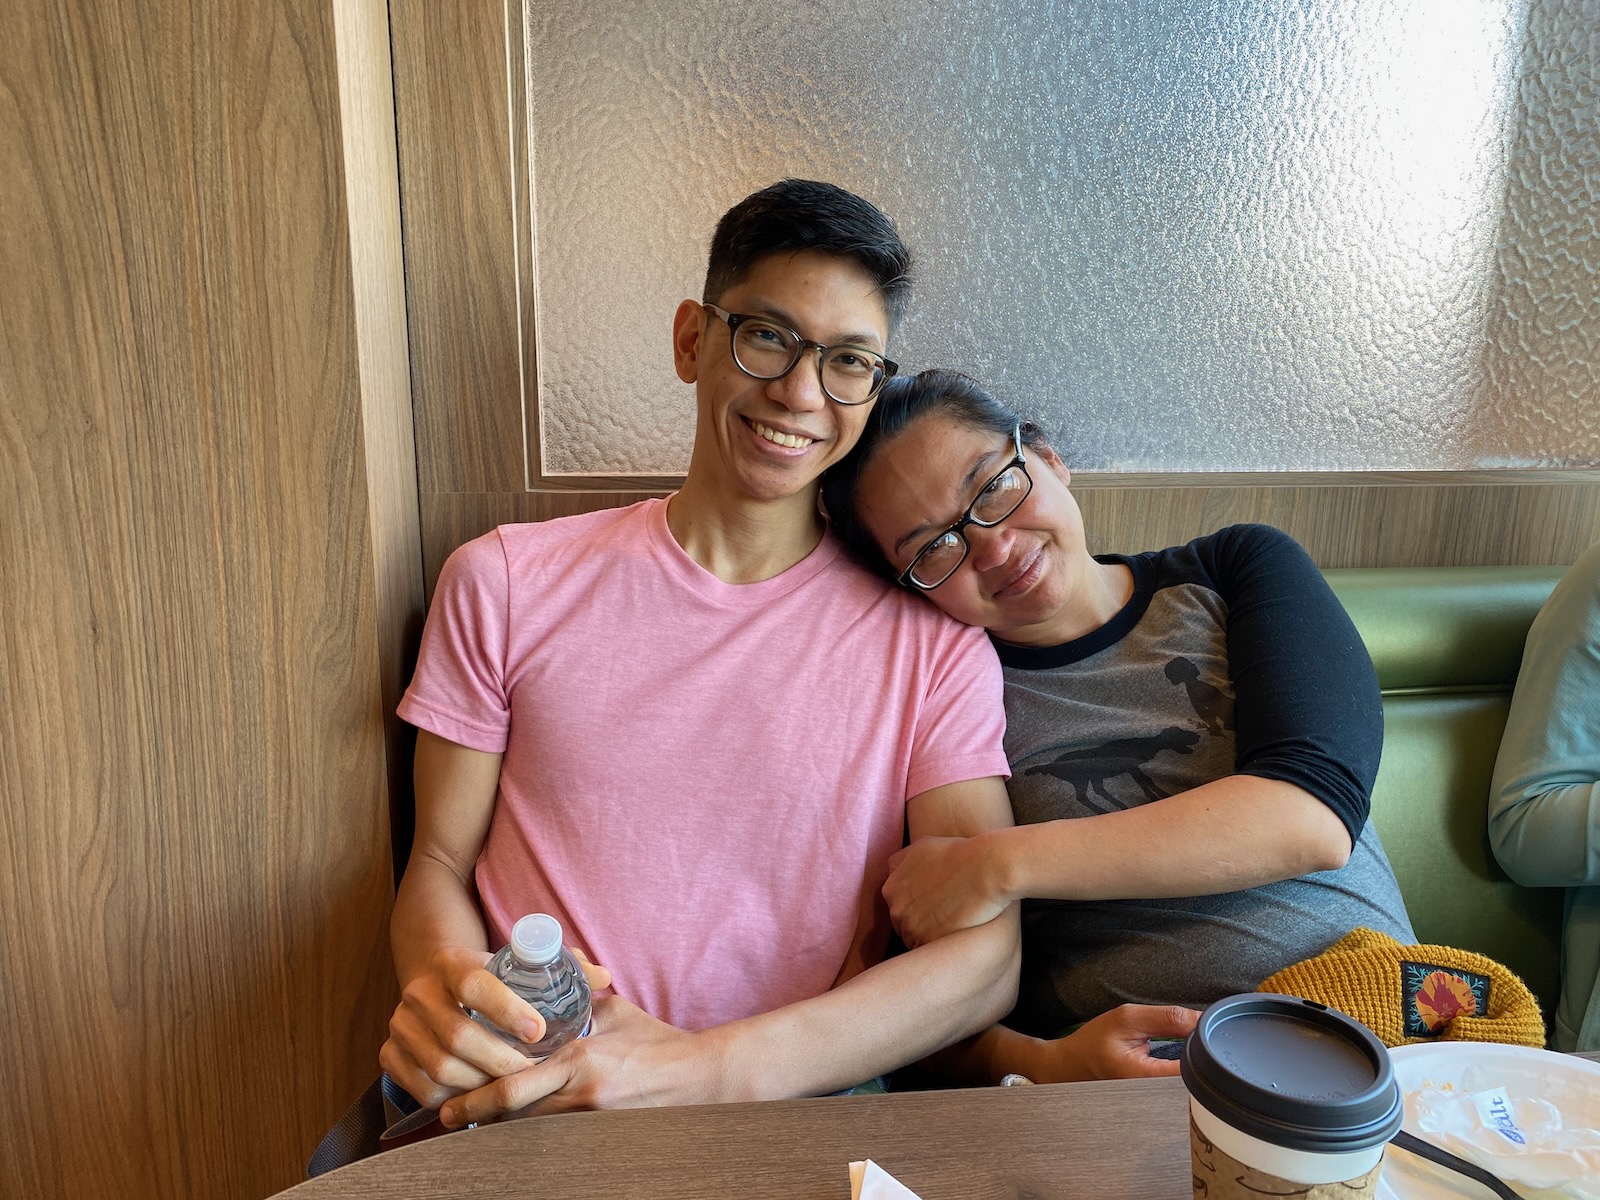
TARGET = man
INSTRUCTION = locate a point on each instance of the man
(694, 732)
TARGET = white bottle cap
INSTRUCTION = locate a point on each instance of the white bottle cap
(536, 939)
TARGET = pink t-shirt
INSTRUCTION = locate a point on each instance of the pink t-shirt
(701, 779)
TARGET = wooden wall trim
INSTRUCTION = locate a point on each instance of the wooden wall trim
(462, 250)
(1551, 477)
(1364, 524)
(377, 276)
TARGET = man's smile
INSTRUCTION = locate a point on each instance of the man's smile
(778, 437)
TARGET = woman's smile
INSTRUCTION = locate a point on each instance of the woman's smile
(1023, 577)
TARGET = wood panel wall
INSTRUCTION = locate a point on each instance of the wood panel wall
(462, 114)
(198, 357)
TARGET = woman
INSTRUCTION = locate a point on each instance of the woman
(1193, 735)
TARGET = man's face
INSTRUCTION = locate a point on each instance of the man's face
(771, 439)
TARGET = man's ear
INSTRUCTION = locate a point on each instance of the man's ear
(688, 326)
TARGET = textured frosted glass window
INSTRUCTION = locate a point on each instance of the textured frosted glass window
(1190, 236)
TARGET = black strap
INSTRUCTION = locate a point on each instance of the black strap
(383, 1117)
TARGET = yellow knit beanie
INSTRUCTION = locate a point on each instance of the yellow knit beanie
(1410, 994)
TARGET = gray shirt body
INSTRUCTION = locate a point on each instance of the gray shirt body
(1231, 657)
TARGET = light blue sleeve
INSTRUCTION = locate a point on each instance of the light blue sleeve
(1544, 805)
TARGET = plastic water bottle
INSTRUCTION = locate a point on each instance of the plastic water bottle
(537, 967)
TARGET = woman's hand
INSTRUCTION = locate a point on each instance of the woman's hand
(938, 885)
(1114, 1045)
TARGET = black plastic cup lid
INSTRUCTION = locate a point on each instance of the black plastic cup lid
(1294, 1073)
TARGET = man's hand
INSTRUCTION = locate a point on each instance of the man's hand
(435, 1050)
(629, 1060)
(937, 885)
(1114, 1045)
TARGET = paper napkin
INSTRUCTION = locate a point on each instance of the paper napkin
(869, 1181)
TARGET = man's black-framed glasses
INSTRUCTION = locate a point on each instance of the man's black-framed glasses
(996, 501)
(763, 349)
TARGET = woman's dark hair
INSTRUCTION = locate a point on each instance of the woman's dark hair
(903, 400)
(802, 214)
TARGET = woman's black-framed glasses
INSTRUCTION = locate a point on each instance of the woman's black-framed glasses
(763, 349)
(997, 500)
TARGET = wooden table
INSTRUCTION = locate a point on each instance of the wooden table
(1117, 1140)
(1120, 1140)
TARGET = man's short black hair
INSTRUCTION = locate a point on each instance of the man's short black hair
(802, 214)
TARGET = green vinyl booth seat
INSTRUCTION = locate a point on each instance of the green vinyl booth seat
(1446, 642)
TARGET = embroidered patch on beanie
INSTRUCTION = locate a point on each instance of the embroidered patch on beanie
(1431, 996)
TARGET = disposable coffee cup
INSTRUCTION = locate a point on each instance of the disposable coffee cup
(1287, 1096)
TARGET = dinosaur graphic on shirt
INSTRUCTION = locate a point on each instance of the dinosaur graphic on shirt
(1090, 769)
(1211, 704)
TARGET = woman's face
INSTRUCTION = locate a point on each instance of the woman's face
(1020, 578)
